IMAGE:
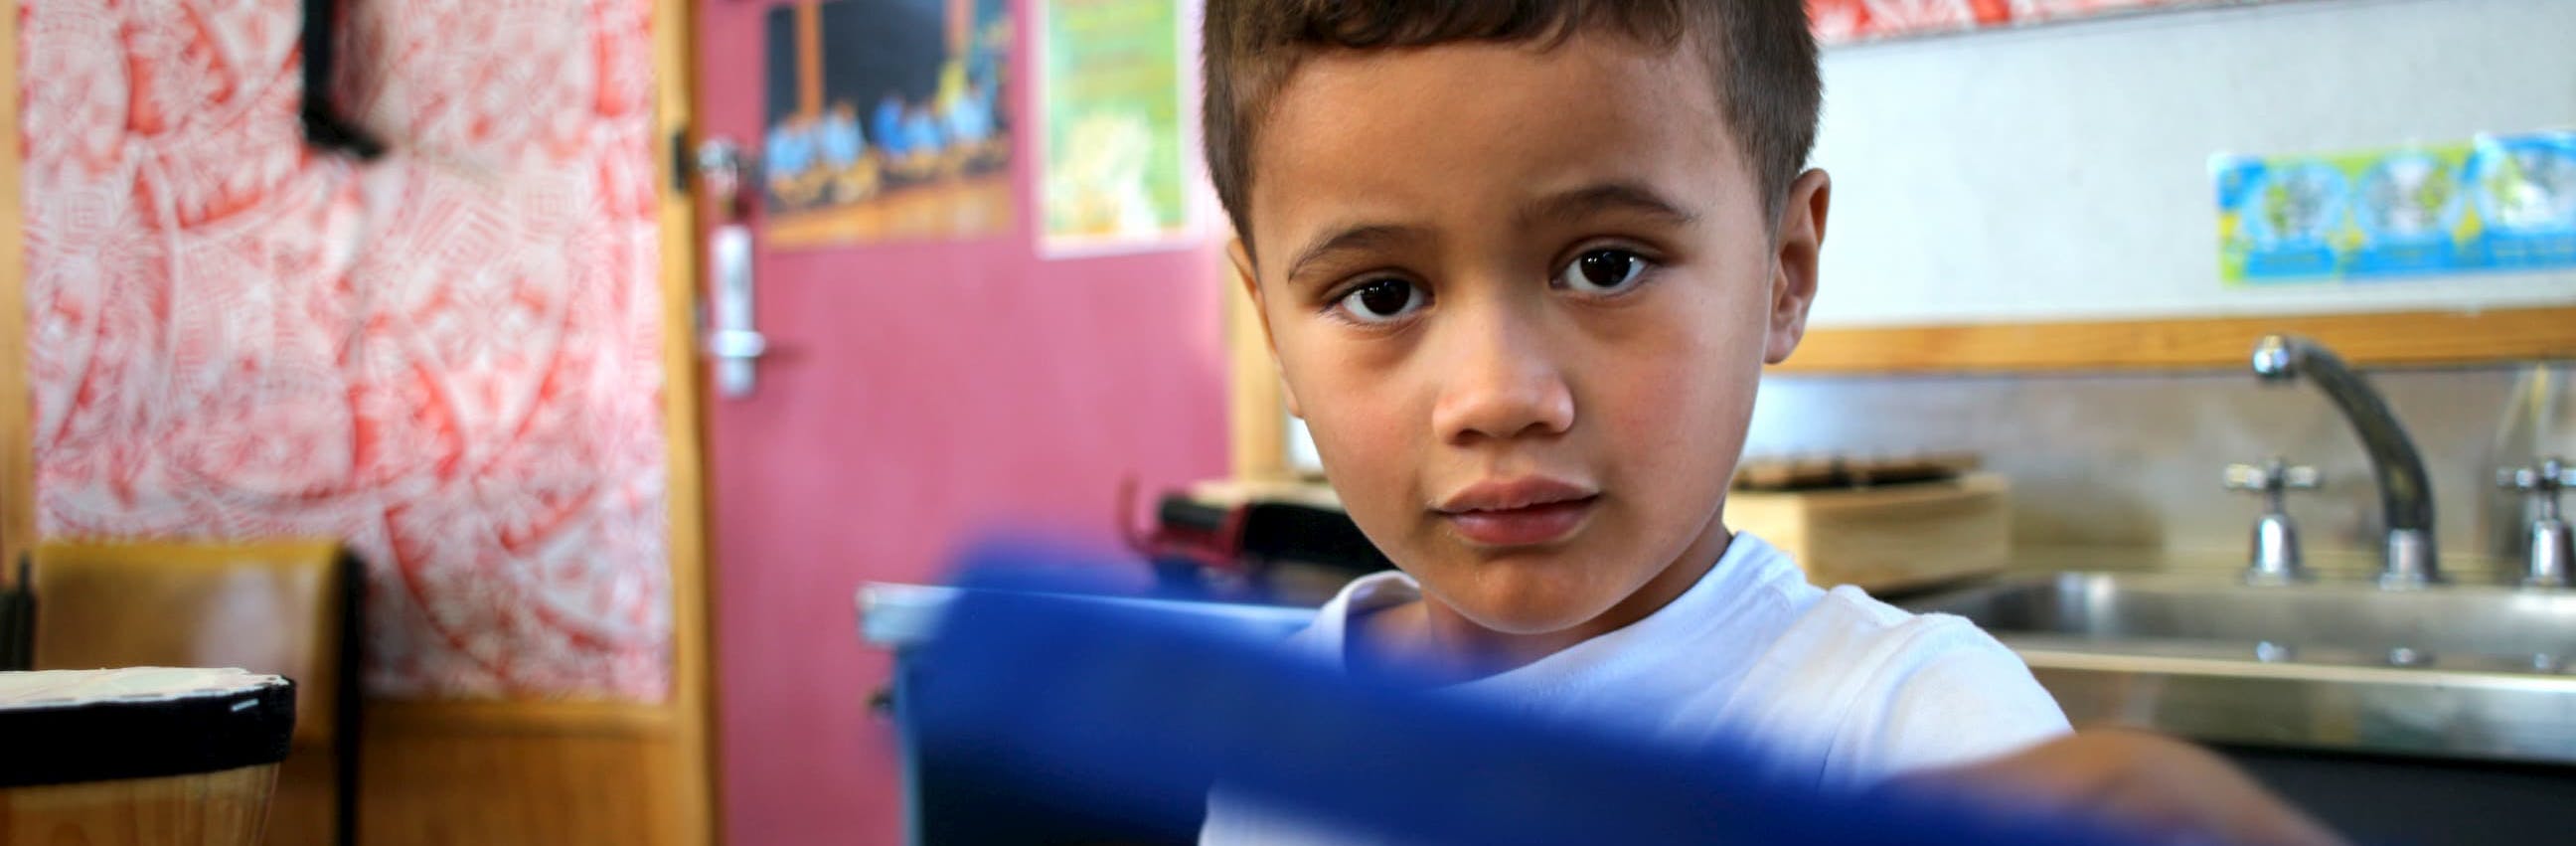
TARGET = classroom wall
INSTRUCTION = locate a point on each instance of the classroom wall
(940, 390)
(2062, 171)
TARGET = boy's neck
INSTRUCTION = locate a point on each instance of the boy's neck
(1428, 637)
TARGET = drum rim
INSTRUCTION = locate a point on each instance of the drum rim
(132, 737)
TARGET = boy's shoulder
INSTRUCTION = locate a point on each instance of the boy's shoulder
(1323, 637)
(1764, 578)
(1872, 645)
(1849, 617)
(1765, 583)
(1876, 690)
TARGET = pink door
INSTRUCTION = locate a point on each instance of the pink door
(930, 378)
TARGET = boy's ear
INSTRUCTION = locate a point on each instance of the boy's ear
(1793, 270)
(1242, 261)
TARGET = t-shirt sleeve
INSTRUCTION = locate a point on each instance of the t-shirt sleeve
(1956, 697)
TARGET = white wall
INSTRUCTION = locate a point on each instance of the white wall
(2062, 171)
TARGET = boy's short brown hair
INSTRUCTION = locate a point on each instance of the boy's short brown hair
(1760, 54)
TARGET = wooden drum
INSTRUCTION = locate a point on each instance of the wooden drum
(145, 756)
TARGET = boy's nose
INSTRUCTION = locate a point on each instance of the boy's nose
(1503, 384)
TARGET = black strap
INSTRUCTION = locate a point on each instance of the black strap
(324, 128)
(18, 620)
(353, 641)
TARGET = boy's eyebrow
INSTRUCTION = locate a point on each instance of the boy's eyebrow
(1574, 204)
(1353, 238)
(1590, 200)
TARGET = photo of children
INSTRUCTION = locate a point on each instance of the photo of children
(885, 121)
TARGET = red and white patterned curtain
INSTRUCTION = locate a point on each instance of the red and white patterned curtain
(1845, 21)
(449, 357)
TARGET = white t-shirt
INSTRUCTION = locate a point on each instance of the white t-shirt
(1838, 687)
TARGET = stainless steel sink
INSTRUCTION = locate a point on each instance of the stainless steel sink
(2447, 671)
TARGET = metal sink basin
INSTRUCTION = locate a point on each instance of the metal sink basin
(2460, 672)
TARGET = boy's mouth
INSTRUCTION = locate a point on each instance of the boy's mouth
(1526, 511)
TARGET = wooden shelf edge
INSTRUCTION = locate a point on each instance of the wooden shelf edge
(416, 717)
(2421, 338)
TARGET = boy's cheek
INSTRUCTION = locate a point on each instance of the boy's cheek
(1353, 424)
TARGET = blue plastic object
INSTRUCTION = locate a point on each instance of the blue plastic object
(1046, 691)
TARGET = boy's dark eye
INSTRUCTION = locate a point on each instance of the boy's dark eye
(1603, 271)
(1381, 300)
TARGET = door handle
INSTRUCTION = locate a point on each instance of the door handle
(732, 341)
(736, 344)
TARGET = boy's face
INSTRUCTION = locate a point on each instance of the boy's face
(1522, 297)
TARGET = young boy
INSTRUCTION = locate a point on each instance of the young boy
(1521, 265)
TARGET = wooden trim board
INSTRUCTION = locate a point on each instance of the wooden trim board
(1258, 410)
(432, 717)
(2370, 340)
(17, 414)
(517, 773)
(691, 708)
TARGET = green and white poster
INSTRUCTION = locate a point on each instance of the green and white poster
(1112, 101)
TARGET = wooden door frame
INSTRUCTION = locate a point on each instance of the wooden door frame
(675, 72)
(17, 425)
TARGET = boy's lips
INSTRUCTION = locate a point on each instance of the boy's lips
(1518, 512)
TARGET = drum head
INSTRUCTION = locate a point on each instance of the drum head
(66, 726)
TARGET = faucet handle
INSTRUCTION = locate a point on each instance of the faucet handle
(2544, 478)
(2552, 553)
(2273, 476)
(2273, 558)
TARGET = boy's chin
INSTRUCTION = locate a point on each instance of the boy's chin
(1538, 613)
(1534, 593)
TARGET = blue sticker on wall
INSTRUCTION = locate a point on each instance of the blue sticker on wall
(2496, 203)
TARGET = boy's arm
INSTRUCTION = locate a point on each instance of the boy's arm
(2157, 784)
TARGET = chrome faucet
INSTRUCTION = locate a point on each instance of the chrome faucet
(2405, 492)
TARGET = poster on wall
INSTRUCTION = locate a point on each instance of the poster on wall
(886, 120)
(1113, 102)
(2498, 203)
(1848, 21)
